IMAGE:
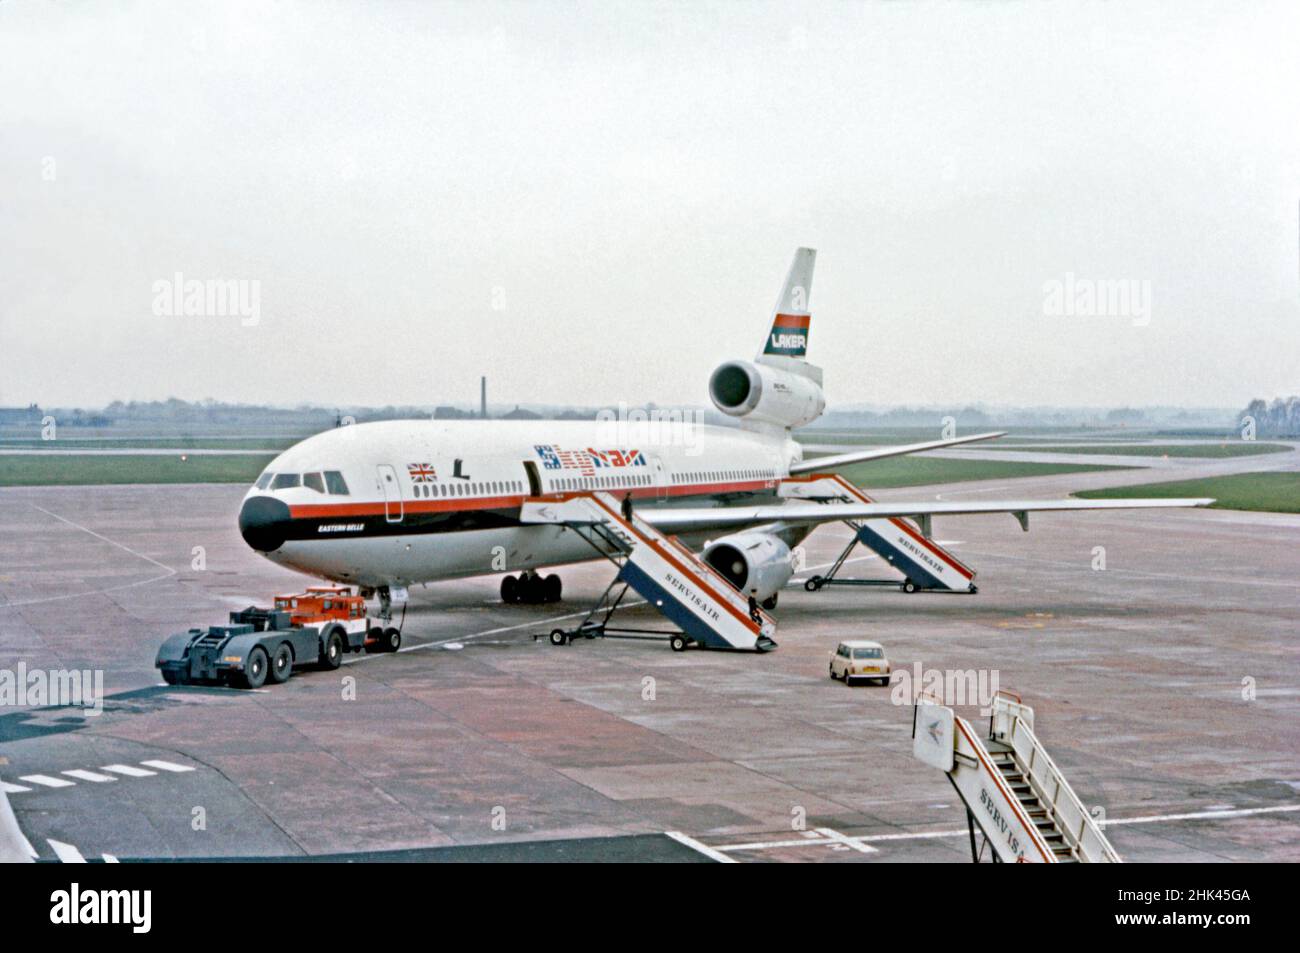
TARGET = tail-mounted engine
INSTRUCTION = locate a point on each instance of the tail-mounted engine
(763, 394)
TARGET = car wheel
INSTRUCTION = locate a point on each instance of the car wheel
(281, 664)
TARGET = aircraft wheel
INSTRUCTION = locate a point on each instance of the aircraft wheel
(770, 602)
(509, 590)
(331, 654)
(391, 640)
(813, 584)
(678, 643)
(558, 637)
(908, 586)
(281, 664)
(255, 666)
(552, 588)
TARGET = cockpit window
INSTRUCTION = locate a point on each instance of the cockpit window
(313, 481)
(265, 480)
(283, 481)
(334, 480)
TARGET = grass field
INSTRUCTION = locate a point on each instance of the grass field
(1239, 448)
(75, 469)
(1271, 492)
(918, 471)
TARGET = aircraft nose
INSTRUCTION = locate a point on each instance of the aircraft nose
(264, 523)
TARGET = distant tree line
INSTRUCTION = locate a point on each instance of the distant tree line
(1281, 418)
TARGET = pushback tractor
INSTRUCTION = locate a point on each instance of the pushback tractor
(308, 629)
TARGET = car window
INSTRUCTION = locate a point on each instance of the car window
(868, 653)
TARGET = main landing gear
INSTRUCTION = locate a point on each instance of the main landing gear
(530, 588)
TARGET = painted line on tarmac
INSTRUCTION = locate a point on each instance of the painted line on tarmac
(825, 841)
(94, 592)
(695, 845)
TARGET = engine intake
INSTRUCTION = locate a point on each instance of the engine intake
(766, 394)
(755, 563)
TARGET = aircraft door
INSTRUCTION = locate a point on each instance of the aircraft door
(392, 493)
(661, 479)
(534, 478)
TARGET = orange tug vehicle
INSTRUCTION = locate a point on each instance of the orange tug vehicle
(313, 628)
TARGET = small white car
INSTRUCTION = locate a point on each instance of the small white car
(860, 659)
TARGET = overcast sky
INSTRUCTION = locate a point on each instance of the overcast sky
(597, 203)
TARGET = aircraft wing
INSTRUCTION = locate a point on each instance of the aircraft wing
(675, 520)
(817, 464)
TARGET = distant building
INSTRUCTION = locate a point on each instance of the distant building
(10, 416)
(451, 413)
(520, 414)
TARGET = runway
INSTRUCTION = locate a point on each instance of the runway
(1166, 685)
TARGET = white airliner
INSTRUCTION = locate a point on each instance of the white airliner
(386, 505)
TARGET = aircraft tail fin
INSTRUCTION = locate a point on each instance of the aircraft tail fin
(788, 336)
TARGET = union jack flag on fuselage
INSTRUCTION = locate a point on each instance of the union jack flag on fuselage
(421, 472)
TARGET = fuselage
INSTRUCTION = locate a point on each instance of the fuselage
(403, 502)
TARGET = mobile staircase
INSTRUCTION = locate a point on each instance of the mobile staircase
(704, 606)
(906, 547)
(1014, 793)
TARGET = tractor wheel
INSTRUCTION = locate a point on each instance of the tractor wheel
(392, 640)
(374, 640)
(281, 664)
(331, 653)
(255, 667)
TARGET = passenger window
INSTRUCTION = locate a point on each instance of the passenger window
(314, 481)
(284, 481)
(335, 483)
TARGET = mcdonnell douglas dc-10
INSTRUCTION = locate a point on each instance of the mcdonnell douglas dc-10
(386, 505)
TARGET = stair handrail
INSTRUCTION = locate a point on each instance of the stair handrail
(1065, 808)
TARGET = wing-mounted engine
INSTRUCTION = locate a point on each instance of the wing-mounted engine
(762, 394)
(754, 562)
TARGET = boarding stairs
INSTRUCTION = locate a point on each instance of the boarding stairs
(902, 544)
(1014, 793)
(702, 603)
